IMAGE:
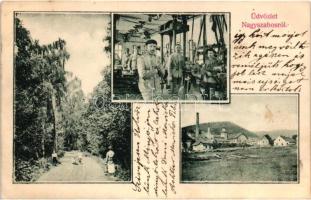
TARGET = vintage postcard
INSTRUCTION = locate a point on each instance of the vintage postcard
(137, 100)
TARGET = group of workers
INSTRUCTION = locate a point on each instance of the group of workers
(153, 75)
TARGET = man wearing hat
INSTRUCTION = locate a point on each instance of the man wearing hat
(125, 58)
(149, 68)
(175, 67)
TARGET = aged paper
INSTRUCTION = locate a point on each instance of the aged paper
(155, 100)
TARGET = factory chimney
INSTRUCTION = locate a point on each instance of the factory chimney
(197, 125)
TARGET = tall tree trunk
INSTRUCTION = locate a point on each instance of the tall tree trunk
(54, 120)
(43, 140)
(43, 115)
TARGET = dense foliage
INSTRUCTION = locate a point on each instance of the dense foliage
(52, 113)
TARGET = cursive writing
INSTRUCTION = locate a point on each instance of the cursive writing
(156, 149)
(269, 60)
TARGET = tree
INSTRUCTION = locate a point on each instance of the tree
(73, 109)
(40, 85)
(108, 124)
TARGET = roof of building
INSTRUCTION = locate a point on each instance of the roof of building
(235, 136)
(267, 137)
(287, 139)
(202, 142)
(197, 143)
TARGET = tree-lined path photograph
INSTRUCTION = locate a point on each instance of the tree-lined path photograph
(65, 127)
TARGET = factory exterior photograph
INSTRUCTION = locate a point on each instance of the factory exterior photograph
(171, 57)
(236, 143)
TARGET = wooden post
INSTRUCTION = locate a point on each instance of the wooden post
(199, 39)
(204, 37)
(170, 44)
(201, 27)
(162, 53)
(174, 39)
(190, 47)
(184, 37)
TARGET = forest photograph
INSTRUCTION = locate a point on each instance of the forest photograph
(65, 127)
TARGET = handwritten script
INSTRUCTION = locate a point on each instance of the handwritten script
(269, 60)
(155, 149)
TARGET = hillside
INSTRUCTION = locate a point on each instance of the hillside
(275, 133)
(216, 127)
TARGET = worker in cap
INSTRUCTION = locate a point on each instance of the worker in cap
(125, 58)
(175, 67)
(149, 70)
(132, 63)
(151, 41)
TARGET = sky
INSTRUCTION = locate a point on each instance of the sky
(253, 112)
(83, 33)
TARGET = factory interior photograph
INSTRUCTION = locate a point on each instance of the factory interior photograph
(171, 57)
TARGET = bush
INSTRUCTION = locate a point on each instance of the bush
(30, 171)
(44, 163)
(22, 171)
(123, 174)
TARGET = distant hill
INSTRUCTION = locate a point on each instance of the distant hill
(216, 127)
(275, 133)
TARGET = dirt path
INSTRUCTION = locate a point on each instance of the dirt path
(89, 171)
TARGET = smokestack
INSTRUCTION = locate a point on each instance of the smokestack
(209, 131)
(197, 125)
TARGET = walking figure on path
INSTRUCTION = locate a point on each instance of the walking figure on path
(80, 155)
(109, 161)
(54, 158)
